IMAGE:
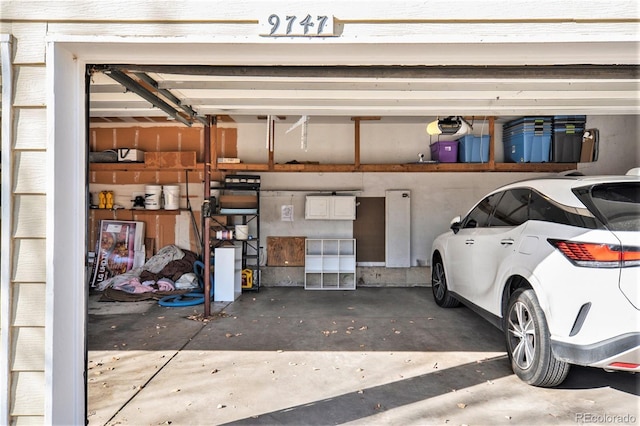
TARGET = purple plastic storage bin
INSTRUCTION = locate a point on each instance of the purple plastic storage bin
(445, 151)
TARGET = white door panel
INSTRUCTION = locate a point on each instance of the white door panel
(398, 229)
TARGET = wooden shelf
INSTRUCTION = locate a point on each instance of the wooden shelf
(409, 167)
(144, 211)
(137, 167)
(137, 173)
(356, 166)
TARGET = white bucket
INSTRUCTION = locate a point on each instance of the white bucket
(152, 197)
(171, 197)
(242, 232)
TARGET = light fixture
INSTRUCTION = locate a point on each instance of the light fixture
(452, 125)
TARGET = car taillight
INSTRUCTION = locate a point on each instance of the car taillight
(628, 365)
(598, 255)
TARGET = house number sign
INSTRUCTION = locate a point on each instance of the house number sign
(303, 25)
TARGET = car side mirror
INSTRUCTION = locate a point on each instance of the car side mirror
(455, 224)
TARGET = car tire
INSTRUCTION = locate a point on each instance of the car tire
(528, 342)
(439, 287)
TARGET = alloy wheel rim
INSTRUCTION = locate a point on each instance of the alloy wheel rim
(522, 341)
(438, 284)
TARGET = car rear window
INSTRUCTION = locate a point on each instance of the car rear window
(616, 204)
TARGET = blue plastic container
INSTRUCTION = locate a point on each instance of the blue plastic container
(528, 139)
(473, 149)
(529, 123)
(527, 147)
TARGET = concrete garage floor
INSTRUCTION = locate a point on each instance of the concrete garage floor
(373, 356)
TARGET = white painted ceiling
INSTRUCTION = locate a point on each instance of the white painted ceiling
(364, 91)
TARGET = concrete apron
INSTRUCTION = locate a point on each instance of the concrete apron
(290, 356)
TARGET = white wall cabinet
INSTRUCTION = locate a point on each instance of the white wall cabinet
(330, 264)
(330, 207)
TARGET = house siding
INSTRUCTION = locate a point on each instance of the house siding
(27, 183)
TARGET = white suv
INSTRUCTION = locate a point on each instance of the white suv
(555, 263)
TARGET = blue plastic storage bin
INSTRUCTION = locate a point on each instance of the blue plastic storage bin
(528, 139)
(473, 149)
(527, 147)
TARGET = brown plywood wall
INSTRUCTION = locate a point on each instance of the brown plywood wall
(163, 139)
(149, 139)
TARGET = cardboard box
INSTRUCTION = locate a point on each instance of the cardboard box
(170, 160)
(239, 201)
(130, 155)
(589, 151)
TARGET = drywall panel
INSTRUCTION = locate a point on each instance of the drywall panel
(619, 146)
(398, 228)
(329, 140)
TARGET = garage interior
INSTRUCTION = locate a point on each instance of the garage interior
(365, 133)
(348, 131)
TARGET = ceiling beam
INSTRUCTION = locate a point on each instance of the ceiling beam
(183, 83)
(144, 93)
(167, 94)
(381, 71)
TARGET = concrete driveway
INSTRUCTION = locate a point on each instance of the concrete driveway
(386, 356)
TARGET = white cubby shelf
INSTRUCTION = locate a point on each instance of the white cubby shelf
(330, 264)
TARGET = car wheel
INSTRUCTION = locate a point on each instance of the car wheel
(439, 286)
(528, 343)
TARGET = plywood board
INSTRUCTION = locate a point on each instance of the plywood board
(170, 160)
(285, 251)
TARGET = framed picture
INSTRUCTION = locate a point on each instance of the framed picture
(120, 248)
